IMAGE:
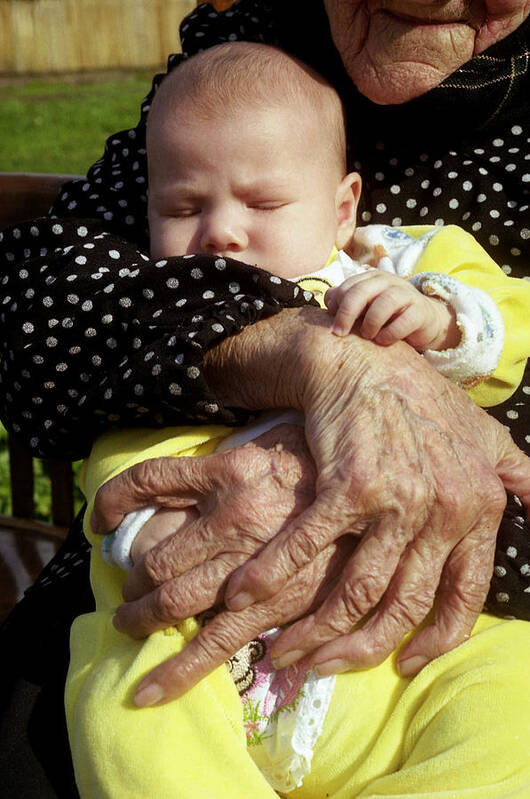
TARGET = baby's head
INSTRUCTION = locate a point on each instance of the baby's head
(247, 159)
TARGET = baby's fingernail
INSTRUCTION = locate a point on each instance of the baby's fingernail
(239, 601)
(329, 667)
(337, 330)
(287, 659)
(409, 667)
(149, 695)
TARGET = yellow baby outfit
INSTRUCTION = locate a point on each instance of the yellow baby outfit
(459, 729)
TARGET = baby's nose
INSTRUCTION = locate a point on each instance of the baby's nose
(223, 234)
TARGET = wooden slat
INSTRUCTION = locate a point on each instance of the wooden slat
(23, 555)
(33, 526)
(25, 196)
(61, 36)
(62, 487)
(21, 476)
(219, 5)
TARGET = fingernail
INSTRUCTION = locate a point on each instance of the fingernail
(409, 667)
(329, 667)
(287, 659)
(337, 330)
(149, 695)
(239, 601)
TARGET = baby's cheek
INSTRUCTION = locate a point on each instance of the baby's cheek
(163, 524)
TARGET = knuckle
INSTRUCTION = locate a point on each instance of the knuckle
(244, 461)
(467, 598)
(262, 582)
(495, 499)
(370, 495)
(157, 568)
(350, 298)
(143, 476)
(221, 638)
(406, 611)
(301, 548)
(338, 623)
(360, 597)
(167, 604)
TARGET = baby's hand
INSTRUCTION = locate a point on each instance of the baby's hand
(392, 310)
(165, 522)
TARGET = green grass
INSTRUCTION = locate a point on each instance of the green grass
(60, 127)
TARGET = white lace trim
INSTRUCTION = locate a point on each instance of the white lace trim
(285, 753)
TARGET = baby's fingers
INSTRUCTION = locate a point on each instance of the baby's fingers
(351, 302)
(332, 299)
(385, 307)
(401, 326)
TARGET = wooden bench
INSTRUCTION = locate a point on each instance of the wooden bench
(26, 543)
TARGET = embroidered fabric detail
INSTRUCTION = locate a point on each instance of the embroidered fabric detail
(284, 712)
(390, 249)
(480, 323)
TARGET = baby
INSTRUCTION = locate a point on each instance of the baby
(255, 169)
(260, 175)
(247, 160)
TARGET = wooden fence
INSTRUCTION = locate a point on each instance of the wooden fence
(43, 36)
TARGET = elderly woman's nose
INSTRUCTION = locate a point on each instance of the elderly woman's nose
(223, 232)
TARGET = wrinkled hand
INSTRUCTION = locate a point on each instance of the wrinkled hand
(405, 462)
(230, 630)
(408, 463)
(243, 497)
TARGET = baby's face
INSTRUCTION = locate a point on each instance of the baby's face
(254, 185)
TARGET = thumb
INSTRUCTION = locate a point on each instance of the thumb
(513, 469)
(168, 482)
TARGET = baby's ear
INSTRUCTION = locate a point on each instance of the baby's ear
(346, 202)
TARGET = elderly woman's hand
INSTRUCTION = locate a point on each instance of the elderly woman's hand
(404, 461)
(231, 630)
(408, 463)
(243, 497)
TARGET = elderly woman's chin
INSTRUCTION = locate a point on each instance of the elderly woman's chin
(399, 61)
(395, 50)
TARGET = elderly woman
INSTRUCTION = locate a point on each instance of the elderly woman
(456, 153)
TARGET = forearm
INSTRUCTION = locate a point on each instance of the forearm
(269, 364)
(96, 334)
(284, 360)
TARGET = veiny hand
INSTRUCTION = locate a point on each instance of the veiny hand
(242, 499)
(404, 459)
(229, 631)
(407, 463)
(394, 310)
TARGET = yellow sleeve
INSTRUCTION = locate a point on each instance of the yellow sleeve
(454, 252)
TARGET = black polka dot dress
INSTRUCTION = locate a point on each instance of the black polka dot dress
(102, 335)
(96, 334)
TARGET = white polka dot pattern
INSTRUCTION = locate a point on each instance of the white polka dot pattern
(459, 155)
(89, 353)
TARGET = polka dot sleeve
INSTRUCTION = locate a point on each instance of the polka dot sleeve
(95, 334)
